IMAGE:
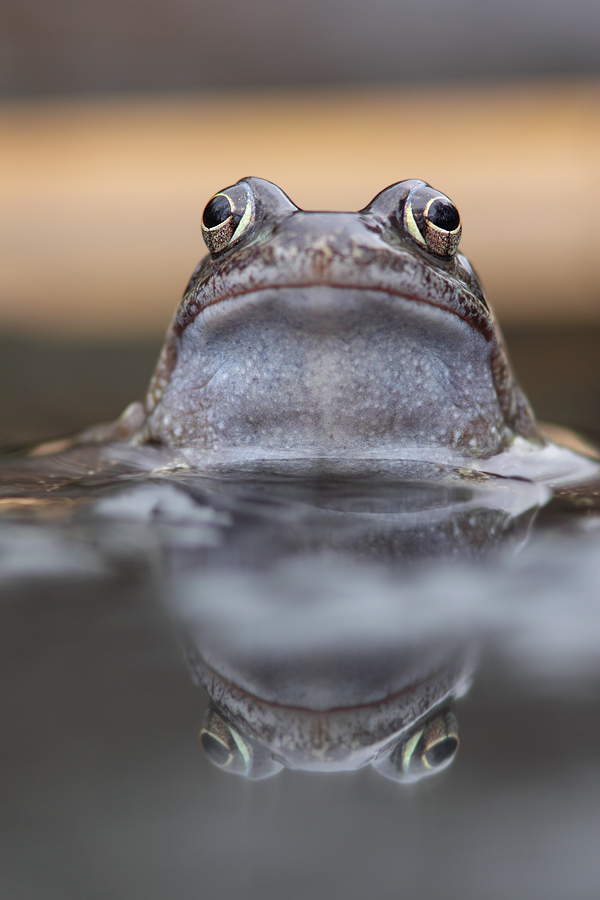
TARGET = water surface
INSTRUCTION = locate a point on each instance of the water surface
(331, 621)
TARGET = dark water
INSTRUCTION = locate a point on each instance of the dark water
(349, 634)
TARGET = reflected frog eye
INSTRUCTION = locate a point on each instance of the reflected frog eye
(429, 748)
(227, 216)
(433, 221)
(224, 746)
(227, 749)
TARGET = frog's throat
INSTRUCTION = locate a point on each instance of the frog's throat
(515, 409)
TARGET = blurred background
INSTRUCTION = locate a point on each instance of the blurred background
(118, 121)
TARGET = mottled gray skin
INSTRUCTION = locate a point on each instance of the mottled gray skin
(325, 334)
(345, 735)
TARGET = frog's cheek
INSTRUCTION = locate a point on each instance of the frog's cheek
(428, 748)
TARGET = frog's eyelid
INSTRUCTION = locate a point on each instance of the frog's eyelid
(243, 748)
(248, 216)
(410, 749)
(411, 224)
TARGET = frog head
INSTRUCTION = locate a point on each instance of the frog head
(333, 334)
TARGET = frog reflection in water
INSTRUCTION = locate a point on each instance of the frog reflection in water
(307, 624)
(328, 334)
(424, 749)
(384, 704)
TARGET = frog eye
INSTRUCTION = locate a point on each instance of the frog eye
(433, 221)
(429, 748)
(227, 749)
(227, 216)
(224, 746)
(434, 748)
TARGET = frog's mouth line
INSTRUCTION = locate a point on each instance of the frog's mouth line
(379, 720)
(440, 675)
(481, 323)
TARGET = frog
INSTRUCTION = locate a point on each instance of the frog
(383, 703)
(317, 335)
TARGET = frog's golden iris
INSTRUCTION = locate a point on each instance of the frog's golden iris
(433, 221)
(226, 217)
(229, 750)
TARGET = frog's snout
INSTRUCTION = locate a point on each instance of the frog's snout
(323, 241)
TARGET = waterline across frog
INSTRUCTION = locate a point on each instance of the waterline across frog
(332, 335)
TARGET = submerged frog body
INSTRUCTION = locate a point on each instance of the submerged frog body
(327, 335)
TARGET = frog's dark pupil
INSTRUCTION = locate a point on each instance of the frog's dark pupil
(441, 752)
(214, 749)
(217, 211)
(443, 214)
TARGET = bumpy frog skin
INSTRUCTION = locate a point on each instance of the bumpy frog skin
(332, 709)
(332, 335)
